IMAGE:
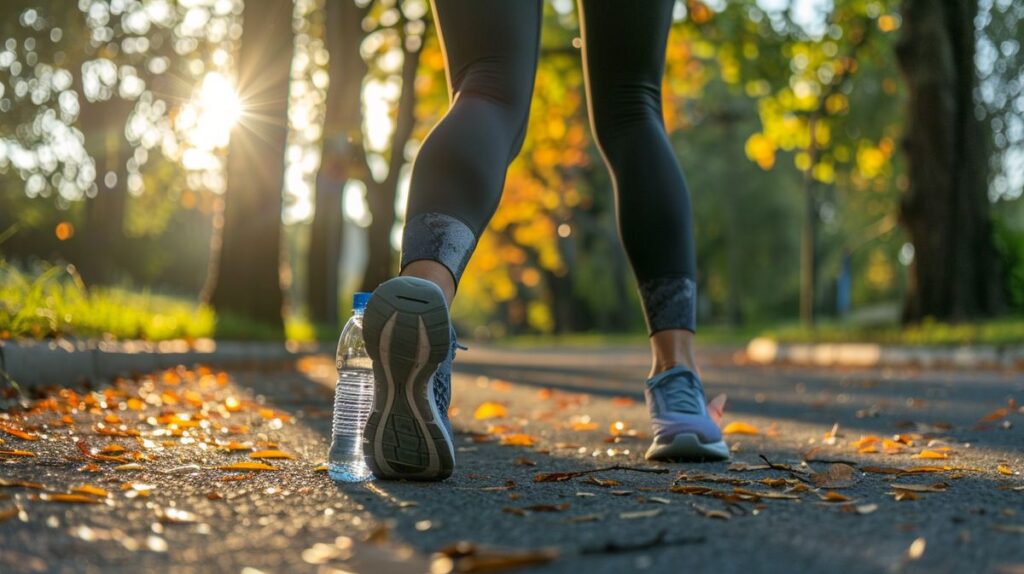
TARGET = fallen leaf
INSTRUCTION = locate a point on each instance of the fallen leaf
(711, 513)
(236, 477)
(1003, 469)
(129, 466)
(604, 483)
(21, 484)
(833, 496)
(523, 461)
(17, 453)
(320, 468)
(83, 447)
(235, 445)
(838, 475)
(490, 410)
(89, 467)
(866, 508)
(271, 454)
(901, 495)
(69, 498)
(686, 489)
(632, 515)
(555, 476)
(517, 439)
(932, 455)
(737, 427)
(937, 487)
(620, 492)
(17, 432)
(743, 467)
(90, 489)
(245, 465)
(112, 448)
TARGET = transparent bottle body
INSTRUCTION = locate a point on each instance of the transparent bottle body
(353, 398)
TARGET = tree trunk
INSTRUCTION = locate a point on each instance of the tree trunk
(248, 281)
(343, 156)
(955, 274)
(381, 195)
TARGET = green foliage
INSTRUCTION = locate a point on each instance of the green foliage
(1008, 331)
(52, 301)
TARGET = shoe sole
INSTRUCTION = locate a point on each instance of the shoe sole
(687, 447)
(407, 334)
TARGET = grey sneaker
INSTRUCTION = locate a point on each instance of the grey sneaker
(683, 431)
(411, 341)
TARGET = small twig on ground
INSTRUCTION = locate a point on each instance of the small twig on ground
(831, 461)
(613, 547)
(784, 468)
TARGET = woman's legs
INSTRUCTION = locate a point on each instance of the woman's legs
(624, 60)
(491, 49)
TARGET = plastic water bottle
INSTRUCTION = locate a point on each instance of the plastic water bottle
(353, 398)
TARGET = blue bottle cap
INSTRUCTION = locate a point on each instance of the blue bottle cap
(360, 299)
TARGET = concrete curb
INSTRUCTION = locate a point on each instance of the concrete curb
(765, 351)
(62, 362)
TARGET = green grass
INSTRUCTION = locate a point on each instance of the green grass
(1003, 331)
(52, 301)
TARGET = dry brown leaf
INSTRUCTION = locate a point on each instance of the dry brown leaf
(90, 489)
(937, 487)
(838, 475)
(604, 483)
(16, 452)
(69, 498)
(743, 467)
(737, 427)
(687, 489)
(523, 461)
(17, 432)
(833, 496)
(21, 484)
(711, 513)
(518, 439)
(490, 410)
(274, 454)
(130, 466)
(246, 465)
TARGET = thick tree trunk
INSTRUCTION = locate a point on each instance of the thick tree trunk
(343, 156)
(955, 274)
(381, 195)
(101, 239)
(248, 281)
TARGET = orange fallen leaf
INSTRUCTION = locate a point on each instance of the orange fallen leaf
(893, 447)
(8, 513)
(1003, 469)
(83, 447)
(90, 467)
(112, 448)
(237, 477)
(932, 455)
(833, 496)
(16, 453)
(14, 431)
(70, 498)
(271, 454)
(490, 410)
(21, 484)
(320, 468)
(90, 489)
(246, 466)
(737, 427)
(518, 439)
(235, 445)
(865, 441)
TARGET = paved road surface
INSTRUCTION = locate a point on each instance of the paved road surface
(179, 512)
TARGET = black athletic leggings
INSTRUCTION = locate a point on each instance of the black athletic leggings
(491, 49)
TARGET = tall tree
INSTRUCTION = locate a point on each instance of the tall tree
(946, 212)
(247, 281)
(343, 154)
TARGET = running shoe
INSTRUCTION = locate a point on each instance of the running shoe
(683, 430)
(410, 339)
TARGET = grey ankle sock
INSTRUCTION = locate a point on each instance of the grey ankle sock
(438, 237)
(669, 303)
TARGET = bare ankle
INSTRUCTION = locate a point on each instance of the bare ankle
(434, 272)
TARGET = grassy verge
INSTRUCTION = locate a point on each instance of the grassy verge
(53, 302)
(1004, 331)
